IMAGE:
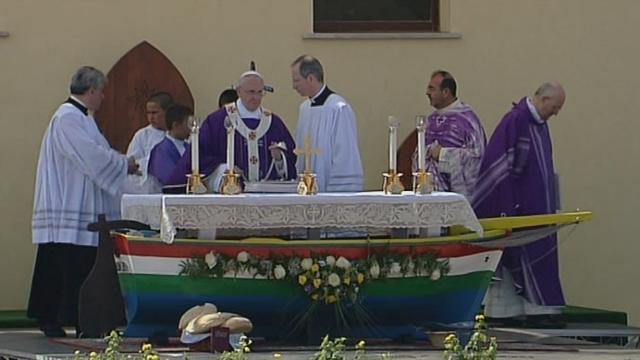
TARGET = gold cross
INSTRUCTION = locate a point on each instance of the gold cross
(307, 151)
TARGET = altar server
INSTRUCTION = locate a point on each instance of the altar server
(166, 154)
(145, 139)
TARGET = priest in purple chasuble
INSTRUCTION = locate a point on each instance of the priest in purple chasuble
(455, 138)
(263, 146)
(517, 178)
(166, 154)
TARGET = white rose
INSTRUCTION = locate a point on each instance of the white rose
(243, 256)
(343, 263)
(211, 259)
(435, 275)
(334, 280)
(395, 268)
(375, 270)
(306, 263)
(279, 272)
(330, 260)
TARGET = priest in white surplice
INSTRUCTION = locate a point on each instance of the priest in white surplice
(79, 176)
(329, 120)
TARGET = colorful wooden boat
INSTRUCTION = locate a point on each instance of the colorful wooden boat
(420, 283)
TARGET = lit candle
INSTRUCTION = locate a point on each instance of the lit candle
(231, 132)
(420, 127)
(393, 141)
(195, 155)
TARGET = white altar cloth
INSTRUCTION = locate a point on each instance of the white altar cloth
(327, 210)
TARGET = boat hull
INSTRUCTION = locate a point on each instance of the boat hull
(156, 295)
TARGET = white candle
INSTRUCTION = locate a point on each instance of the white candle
(420, 126)
(231, 132)
(393, 141)
(195, 151)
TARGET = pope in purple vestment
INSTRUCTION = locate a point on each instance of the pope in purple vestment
(517, 178)
(213, 146)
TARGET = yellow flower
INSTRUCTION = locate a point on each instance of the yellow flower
(315, 267)
(360, 278)
(146, 347)
(93, 354)
(315, 297)
(480, 317)
(360, 345)
(302, 279)
(346, 280)
(317, 283)
(77, 352)
(331, 299)
(247, 349)
(277, 356)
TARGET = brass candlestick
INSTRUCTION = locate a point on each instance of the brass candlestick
(422, 182)
(307, 184)
(231, 183)
(392, 183)
(195, 184)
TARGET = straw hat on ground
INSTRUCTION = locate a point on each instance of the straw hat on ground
(195, 312)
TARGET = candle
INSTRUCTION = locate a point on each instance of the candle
(195, 155)
(393, 141)
(231, 132)
(420, 126)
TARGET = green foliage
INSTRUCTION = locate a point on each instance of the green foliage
(240, 353)
(331, 349)
(112, 352)
(479, 347)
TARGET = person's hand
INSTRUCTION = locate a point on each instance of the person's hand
(434, 151)
(276, 151)
(132, 167)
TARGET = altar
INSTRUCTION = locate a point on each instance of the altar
(341, 211)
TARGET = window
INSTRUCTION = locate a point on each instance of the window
(337, 16)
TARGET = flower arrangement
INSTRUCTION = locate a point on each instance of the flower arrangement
(325, 278)
(479, 347)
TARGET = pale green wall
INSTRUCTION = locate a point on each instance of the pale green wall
(508, 47)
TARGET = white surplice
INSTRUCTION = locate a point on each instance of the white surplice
(333, 129)
(140, 148)
(79, 176)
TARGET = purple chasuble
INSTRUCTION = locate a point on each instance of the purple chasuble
(163, 159)
(213, 148)
(517, 178)
(458, 129)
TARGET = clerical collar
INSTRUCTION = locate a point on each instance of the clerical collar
(320, 98)
(534, 111)
(78, 104)
(246, 113)
(449, 107)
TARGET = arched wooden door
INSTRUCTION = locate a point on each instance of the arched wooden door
(141, 72)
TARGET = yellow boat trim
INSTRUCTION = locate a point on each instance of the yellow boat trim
(333, 242)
